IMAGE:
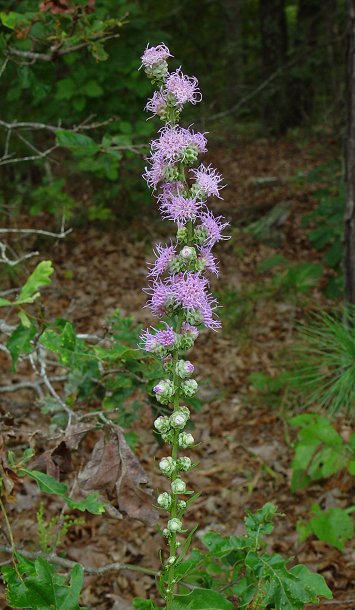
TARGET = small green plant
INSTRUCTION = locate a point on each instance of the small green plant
(328, 377)
(320, 452)
(290, 279)
(334, 526)
(37, 585)
(52, 531)
(239, 568)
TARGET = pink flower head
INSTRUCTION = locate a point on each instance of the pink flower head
(189, 329)
(161, 296)
(162, 338)
(155, 173)
(189, 291)
(155, 55)
(207, 180)
(156, 104)
(183, 88)
(214, 226)
(209, 260)
(179, 209)
(164, 254)
(173, 141)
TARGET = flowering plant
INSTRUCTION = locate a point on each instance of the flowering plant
(180, 298)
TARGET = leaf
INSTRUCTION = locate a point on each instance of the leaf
(93, 89)
(78, 142)
(144, 604)
(39, 278)
(312, 581)
(5, 302)
(46, 483)
(333, 526)
(92, 504)
(41, 587)
(71, 599)
(202, 599)
(20, 342)
(114, 469)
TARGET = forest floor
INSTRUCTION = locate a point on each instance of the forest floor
(245, 453)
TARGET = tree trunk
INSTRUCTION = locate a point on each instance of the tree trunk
(349, 258)
(234, 65)
(273, 30)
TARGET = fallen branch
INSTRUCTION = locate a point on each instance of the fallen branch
(67, 563)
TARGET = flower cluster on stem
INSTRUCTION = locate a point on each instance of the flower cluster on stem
(179, 291)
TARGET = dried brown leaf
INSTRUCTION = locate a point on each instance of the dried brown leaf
(116, 471)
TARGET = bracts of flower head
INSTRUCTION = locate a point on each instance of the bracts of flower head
(179, 294)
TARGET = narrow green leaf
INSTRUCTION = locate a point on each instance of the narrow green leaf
(46, 483)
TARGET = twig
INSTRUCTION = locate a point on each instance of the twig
(67, 563)
(60, 235)
(4, 259)
(23, 385)
(47, 383)
(23, 125)
(3, 67)
(56, 51)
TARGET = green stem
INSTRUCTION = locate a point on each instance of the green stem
(174, 455)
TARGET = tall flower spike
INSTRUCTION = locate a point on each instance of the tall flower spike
(179, 294)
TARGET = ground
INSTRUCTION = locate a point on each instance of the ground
(245, 451)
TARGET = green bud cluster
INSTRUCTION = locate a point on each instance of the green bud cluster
(158, 72)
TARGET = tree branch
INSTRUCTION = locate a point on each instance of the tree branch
(67, 563)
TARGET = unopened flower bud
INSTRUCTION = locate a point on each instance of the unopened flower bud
(178, 486)
(157, 71)
(164, 500)
(184, 368)
(182, 235)
(186, 440)
(171, 560)
(162, 423)
(166, 532)
(181, 504)
(174, 525)
(164, 390)
(184, 463)
(189, 155)
(188, 253)
(178, 419)
(193, 316)
(189, 387)
(167, 465)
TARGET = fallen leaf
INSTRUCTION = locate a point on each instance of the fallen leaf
(116, 471)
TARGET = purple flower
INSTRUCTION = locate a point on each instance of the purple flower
(183, 88)
(189, 329)
(156, 104)
(207, 180)
(164, 254)
(209, 260)
(179, 209)
(189, 291)
(155, 173)
(161, 296)
(164, 338)
(214, 226)
(173, 142)
(155, 55)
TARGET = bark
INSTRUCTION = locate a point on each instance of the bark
(273, 31)
(349, 258)
(234, 67)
